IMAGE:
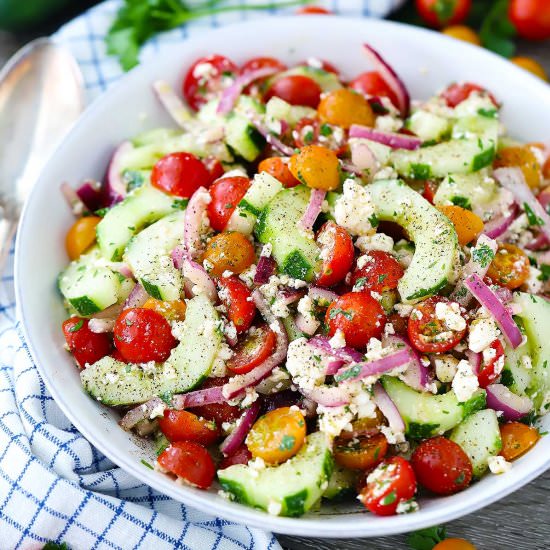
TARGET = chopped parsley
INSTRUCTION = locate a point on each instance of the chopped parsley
(382, 277)
(339, 311)
(483, 255)
(145, 463)
(325, 130)
(77, 327)
(180, 204)
(287, 443)
(463, 202)
(374, 221)
(390, 498)
(544, 272)
(532, 218)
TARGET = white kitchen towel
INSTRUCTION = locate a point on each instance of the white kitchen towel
(54, 486)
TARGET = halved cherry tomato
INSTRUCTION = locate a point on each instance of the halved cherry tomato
(86, 346)
(313, 10)
(429, 334)
(454, 544)
(81, 236)
(337, 253)
(309, 131)
(237, 299)
(441, 466)
(345, 107)
(489, 370)
(261, 63)
(391, 483)
(241, 456)
(180, 174)
(189, 461)
(205, 79)
(510, 266)
(278, 435)
(278, 168)
(430, 189)
(229, 251)
(226, 193)
(467, 224)
(219, 412)
(457, 93)
(360, 453)
(399, 323)
(366, 427)
(317, 167)
(253, 350)
(296, 90)
(186, 426)
(523, 157)
(371, 84)
(531, 65)
(142, 335)
(321, 64)
(439, 13)
(358, 315)
(214, 167)
(171, 310)
(517, 439)
(380, 272)
(464, 33)
(531, 18)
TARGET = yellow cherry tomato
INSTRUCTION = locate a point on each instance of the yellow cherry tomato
(464, 33)
(517, 439)
(317, 167)
(522, 157)
(345, 107)
(510, 267)
(171, 310)
(467, 224)
(81, 236)
(229, 251)
(530, 65)
(454, 544)
(278, 435)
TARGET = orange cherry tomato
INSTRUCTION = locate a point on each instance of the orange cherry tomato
(278, 168)
(313, 10)
(189, 461)
(464, 33)
(517, 439)
(81, 236)
(186, 426)
(229, 251)
(522, 157)
(360, 453)
(317, 167)
(278, 435)
(454, 544)
(337, 253)
(380, 272)
(171, 310)
(510, 266)
(345, 107)
(253, 350)
(529, 64)
(467, 224)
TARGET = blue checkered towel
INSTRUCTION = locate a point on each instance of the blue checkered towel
(53, 484)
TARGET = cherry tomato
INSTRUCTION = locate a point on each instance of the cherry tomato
(439, 13)
(321, 64)
(241, 456)
(510, 267)
(278, 435)
(345, 107)
(489, 371)
(429, 334)
(142, 335)
(531, 65)
(317, 167)
(205, 79)
(226, 193)
(371, 84)
(430, 189)
(531, 18)
(309, 131)
(253, 350)
(399, 323)
(170, 310)
(517, 439)
(186, 426)
(523, 157)
(81, 236)
(464, 33)
(296, 90)
(261, 63)
(363, 427)
(360, 453)
(313, 10)
(214, 167)
(189, 461)
(278, 168)
(86, 346)
(180, 174)
(229, 251)
(358, 315)
(457, 93)
(391, 483)
(441, 466)
(454, 544)
(218, 412)
(380, 272)
(337, 252)
(467, 224)
(237, 299)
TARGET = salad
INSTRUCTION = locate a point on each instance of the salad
(311, 288)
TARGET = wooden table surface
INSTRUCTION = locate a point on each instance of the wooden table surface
(519, 522)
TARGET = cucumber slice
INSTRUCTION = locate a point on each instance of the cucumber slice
(141, 207)
(434, 236)
(243, 138)
(427, 125)
(479, 437)
(115, 383)
(278, 109)
(295, 252)
(341, 484)
(514, 375)
(157, 135)
(426, 415)
(328, 82)
(473, 127)
(290, 489)
(474, 190)
(148, 255)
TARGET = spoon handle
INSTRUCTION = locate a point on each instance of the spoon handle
(7, 231)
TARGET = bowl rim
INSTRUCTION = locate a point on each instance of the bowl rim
(313, 526)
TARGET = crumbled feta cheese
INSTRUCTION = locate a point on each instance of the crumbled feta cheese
(247, 276)
(338, 340)
(224, 354)
(204, 71)
(392, 437)
(250, 396)
(226, 274)
(445, 367)
(277, 381)
(404, 310)
(307, 308)
(498, 464)
(266, 250)
(533, 284)
(279, 308)
(208, 265)
(449, 313)
(149, 367)
(306, 366)
(257, 464)
(378, 241)
(389, 329)
(482, 332)
(526, 362)
(333, 420)
(230, 331)
(157, 411)
(465, 382)
(407, 506)
(386, 173)
(274, 508)
(354, 208)
(388, 123)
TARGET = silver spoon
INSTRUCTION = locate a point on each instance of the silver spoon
(41, 96)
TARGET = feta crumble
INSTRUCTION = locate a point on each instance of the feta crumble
(354, 208)
(498, 464)
(465, 382)
(482, 332)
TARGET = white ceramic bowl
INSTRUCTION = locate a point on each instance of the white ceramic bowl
(425, 60)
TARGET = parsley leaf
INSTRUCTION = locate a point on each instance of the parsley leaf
(497, 30)
(544, 272)
(426, 539)
(483, 255)
(532, 218)
(287, 443)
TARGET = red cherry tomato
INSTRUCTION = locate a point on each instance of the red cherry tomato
(457, 93)
(531, 18)
(218, 412)
(237, 299)
(442, 13)
(380, 272)
(296, 90)
(261, 63)
(429, 334)
(186, 426)
(320, 64)
(242, 456)
(214, 167)
(253, 350)
(430, 189)
(313, 10)
(441, 466)
(190, 461)
(86, 346)
(358, 315)
(278, 168)
(180, 174)
(205, 79)
(391, 483)
(226, 193)
(373, 85)
(488, 370)
(143, 335)
(337, 251)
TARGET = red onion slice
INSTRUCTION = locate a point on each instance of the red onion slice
(308, 325)
(72, 199)
(488, 299)
(275, 142)
(195, 213)
(544, 198)
(289, 296)
(351, 168)
(322, 295)
(371, 368)
(346, 354)
(264, 270)
(137, 297)
(388, 409)
(112, 312)
(316, 198)
(474, 358)
(395, 141)
(90, 194)
(334, 366)
(540, 241)
(172, 103)
(141, 412)
(100, 326)
(498, 226)
(362, 157)
(328, 396)
(202, 282)
(391, 79)
(178, 255)
(116, 188)
(197, 398)
(234, 440)
(513, 406)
